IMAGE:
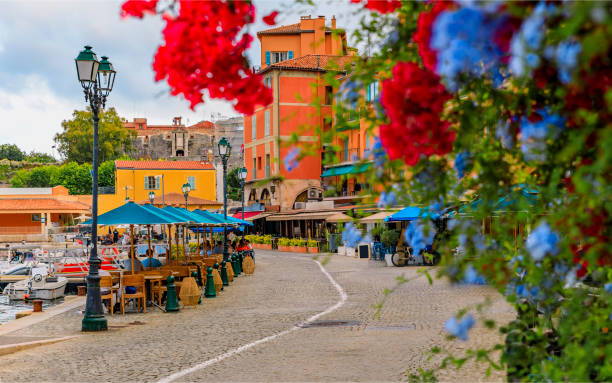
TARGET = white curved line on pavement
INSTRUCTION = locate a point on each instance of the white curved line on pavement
(240, 349)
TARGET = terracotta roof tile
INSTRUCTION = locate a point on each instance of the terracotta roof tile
(163, 165)
(314, 63)
(42, 204)
(292, 28)
(179, 199)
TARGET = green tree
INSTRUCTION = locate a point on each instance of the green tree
(11, 152)
(39, 157)
(75, 142)
(233, 185)
(21, 179)
(106, 174)
(40, 177)
(76, 178)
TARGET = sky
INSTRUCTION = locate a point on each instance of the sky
(40, 39)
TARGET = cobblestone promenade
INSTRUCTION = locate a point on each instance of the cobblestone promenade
(284, 291)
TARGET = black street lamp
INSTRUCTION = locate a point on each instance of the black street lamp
(186, 189)
(97, 79)
(242, 175)
(225, 150)
(151, 197)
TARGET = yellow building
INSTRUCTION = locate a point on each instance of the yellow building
(134, 180)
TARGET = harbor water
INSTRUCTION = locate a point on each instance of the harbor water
(9, 308)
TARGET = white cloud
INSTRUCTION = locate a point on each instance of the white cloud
(32, 116)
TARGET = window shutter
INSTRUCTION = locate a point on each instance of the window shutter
(290, 55)
(368, 94)
(157, 179)
(267, 57)
(146, 182)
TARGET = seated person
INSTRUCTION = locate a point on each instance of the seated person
(218, 249)
(127, 263)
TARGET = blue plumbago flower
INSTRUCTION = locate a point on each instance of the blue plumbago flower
(386, 200)
(566, 56)
(416, 237)
(378, 155)
(351, 235)
(462, 39)
(290, 160)
(471, 277)
(528, 40)
(542, 241)
(349, 93)
(527, 292)
(462, 161)
(460, 328)
(534, 134)
(608, 287)
(502, 132)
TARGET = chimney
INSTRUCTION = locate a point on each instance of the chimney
(334, 22)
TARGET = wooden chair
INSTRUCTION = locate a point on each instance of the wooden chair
(137, 281)
(107, 282)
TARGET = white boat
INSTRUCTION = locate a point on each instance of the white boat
(38, 286)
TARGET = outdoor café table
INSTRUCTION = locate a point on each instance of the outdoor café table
(150, 280)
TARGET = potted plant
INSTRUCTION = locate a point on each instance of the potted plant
(313, 246)
(298, 245)
(284, 244)
(389, 240)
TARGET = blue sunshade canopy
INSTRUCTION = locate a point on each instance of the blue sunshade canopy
(131, 214)
(412, 213)
(165, 213)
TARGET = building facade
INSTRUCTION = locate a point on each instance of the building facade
(295, 59)
(134, 180)
(33, 214)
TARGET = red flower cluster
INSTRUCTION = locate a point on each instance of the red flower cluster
(422, 36)
(138, 8)
(204, 49)
(271, 18)
(414, 99)
(382, 6)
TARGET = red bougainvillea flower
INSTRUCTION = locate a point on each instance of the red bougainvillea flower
(204, 49)
(414, 99)
(382, 6)
(271, 18)
(422, 36)
(138, 8)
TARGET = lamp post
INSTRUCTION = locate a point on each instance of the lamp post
(225, 150)
(186, 189)
(151, 197)
(97, 79)
(242, 175)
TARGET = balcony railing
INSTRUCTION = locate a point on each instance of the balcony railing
(351, 155)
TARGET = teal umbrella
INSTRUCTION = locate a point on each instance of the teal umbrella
(131, 214)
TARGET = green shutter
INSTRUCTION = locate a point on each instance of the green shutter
(267, 57)
(290, 55)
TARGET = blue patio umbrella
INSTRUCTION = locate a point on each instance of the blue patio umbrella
(412, 213)
(131, 214)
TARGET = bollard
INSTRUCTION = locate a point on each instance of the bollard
(239, 262)
(171, 299)
(82, 291)
(194, 274)
(224, 274)
(209, 291)
(37, 306)
(235, 264)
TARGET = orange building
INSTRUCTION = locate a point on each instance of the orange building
(341, 179)
(295, 59)
(33, 214)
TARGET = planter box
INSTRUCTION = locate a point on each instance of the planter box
(262, 246)
(298, 249)
(284, 248)
(313, 249)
